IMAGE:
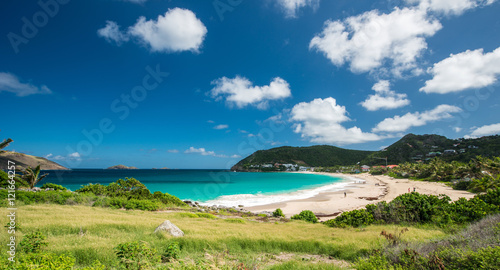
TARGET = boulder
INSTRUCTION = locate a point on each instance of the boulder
(169, 227)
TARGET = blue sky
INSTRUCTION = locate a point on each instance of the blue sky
(201, 84)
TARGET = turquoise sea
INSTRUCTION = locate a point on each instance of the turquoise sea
(220, 187)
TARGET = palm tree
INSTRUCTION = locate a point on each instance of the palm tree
(5, 143)
(32, 177)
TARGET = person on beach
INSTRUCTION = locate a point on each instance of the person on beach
(345, 194)
(408, 190)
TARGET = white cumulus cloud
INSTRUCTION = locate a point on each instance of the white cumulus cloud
(455, 7)
(384, 98)
(202, 151)
(291, 7)
(486, 130)
(240, 92)
(463, 71)
(416, 119)
(112, 33)
(175, 31)
(221, 127)
(370, 40)
(10, 83)
(320, 122)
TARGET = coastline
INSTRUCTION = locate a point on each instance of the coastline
(365, 189)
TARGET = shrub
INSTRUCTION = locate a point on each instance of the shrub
(278, 213)
(463, 210)
(354, 218)
(234, 220)
(53, 186)
(46, 261)
(462, 185)
(172, 252)
(491, 197)
(135, 255)
(206, 215)
(33, 242)
(306, 215)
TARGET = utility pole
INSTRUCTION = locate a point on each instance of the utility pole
(383, 159)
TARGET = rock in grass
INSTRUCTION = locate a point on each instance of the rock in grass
(169, 227)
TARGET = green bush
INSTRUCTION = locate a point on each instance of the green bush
(491, 197)
(235, 220)
(484, 258)
(33, 242)
(354, 218)
(462, 210)
(206, 215)
(278, 213)
(306, 215)
(53, 186)
(45, 261)
(135, 255)
(172, 252)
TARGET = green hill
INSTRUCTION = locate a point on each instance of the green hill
(410, 148)
(413, 147)
(319, 155)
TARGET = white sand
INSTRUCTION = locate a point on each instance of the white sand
(369, 189)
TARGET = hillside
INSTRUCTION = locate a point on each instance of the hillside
(319, 155)
(23, 161)
(410, 148)
(413, 147)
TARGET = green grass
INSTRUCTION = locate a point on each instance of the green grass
(90, 233)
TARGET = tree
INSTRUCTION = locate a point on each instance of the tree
(5, 143)
(32, 177)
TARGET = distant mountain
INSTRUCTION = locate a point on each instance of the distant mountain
(410, 148)
(319, 155)
(121, 167)
(23, 161)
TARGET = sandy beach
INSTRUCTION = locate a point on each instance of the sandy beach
(364, 189)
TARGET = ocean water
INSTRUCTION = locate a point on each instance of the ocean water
(210, 187)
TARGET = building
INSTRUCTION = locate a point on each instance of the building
(365, 168)
(450, 152)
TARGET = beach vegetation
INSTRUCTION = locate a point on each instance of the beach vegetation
(354, 218)
(33, 242)
(416, 208)
(99, 230)
(306, 215)
(136, 255)
(278, 213)
(172, 252)
(5, 181)
(53, 186)
(32, 176)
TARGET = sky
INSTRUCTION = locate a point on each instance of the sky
(203, 84)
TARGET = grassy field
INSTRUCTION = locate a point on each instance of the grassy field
(91, 233)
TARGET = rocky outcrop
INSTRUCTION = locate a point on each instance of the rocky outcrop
(169, 227)
(22, 161)
(122, 167)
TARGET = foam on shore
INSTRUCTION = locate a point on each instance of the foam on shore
(249, 200)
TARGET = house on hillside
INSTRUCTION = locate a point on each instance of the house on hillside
(365, 168)
(392, 166)
(450, 152)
